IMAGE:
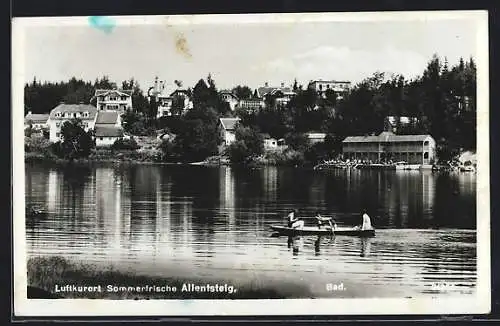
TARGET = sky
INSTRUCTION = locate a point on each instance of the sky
(243, 53)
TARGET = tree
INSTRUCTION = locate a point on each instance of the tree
(297, 141)
(249, 144)
(198, 136)
(76, 142)
(242, 92)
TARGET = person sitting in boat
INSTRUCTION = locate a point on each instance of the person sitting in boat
(294, 221)
(367, 224)
(323, 221)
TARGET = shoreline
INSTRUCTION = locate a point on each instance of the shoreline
(59, 278)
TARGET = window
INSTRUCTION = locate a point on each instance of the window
(113, 98)
(58, 114)
(124, 98)
(327, 86)
(101, 138)
(426, 143)
(58, 134)
(85, 114)
(426, 155)
(58, 124)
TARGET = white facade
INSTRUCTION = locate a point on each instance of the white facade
(227, 129)
(321, 86)
(105, 141)
(66, 112)
(230, 98)
(270, 144)
(229, 137)
(316, 137)
(164, 107)
(114, 100)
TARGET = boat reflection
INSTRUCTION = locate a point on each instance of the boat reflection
(296, 244)
(365, 247)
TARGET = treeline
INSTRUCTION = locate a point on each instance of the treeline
(443, 99)
(43, 97)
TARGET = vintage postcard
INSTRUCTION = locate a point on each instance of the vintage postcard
(271, 164)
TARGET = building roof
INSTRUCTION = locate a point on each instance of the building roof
(36, 118)
(107, 117)
(385, 136)
(100, 92)
(179, 90)
(108, 131)
(229, 123)
(263, 91)
(74, 108)
(329, 81)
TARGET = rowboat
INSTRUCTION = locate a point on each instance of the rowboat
(314, 230)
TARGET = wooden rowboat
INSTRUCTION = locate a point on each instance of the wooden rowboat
(314, 230)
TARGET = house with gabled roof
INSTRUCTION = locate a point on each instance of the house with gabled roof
(113, 99)
(107, 135)
(65, 112)
(36, 120)
(227, 127)
(229, 97)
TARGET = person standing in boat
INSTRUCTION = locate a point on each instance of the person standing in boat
(293, 220)
(367, 224)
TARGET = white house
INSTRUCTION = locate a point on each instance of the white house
(106, 136)
(36, 121)
(321, 86)
(164, 106)
(316, 137)
(230, 98)
(227, 129)
(65, 112)
(113, 99)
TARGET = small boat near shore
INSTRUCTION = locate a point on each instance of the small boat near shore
(314, 230)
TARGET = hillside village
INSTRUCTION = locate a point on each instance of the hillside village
(271, 124)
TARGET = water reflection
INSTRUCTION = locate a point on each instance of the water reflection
(365, 246)
(220, 217)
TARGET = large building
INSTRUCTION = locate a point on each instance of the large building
(113, 99)
(412, 149)
(321, 86)
(65, 112)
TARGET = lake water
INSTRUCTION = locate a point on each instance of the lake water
(214, 222)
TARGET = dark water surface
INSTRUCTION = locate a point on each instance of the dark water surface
(213, 222)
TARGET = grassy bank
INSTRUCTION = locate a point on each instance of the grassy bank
(44, 273)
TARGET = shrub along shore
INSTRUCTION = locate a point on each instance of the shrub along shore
(45, 273)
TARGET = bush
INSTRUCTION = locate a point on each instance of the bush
(36, 143)
(125, 144)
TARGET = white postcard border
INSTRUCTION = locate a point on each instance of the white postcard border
(87, 307)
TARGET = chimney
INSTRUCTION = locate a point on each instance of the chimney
(156, 84)
(266, 84)
(162, 85)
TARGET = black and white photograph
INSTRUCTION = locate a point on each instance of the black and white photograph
(251, 164)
